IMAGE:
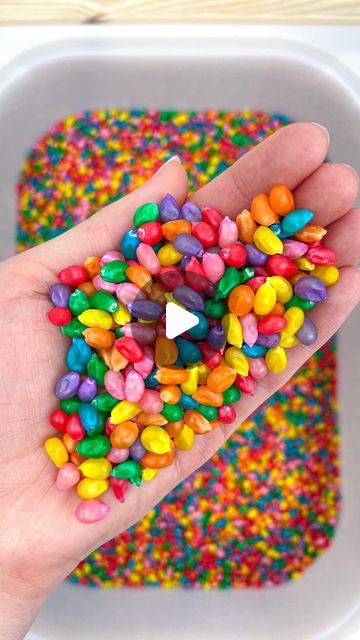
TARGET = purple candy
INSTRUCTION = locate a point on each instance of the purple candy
(188, 297)
(67, 385)
(310, 288)
(184, 262)
(87, 390)
(187, 244)
(307, 333)
(216, 337)
(268, 340)
(191, 212)
(255, 256)
(137, 451)
(146, 309)
(59, 295)
(169, 209)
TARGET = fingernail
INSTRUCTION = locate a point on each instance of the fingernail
(348, 166)
(172, 159)
(324, 129)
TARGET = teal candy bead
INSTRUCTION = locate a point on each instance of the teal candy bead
(215, 308)
(228, 282)
(105, 402)
(75, 360)
(256, 351)
(231, 395)
(172, 412)
(70, 405)
(146, 213)
(79, 302)
(201, 330)
(187, 402)
(74, 329)
(150, 381)
(94, 446)
(114, 271)
(129, 244)
(96, 369)
(88, 415)
(210, 413)
(104, 301)
(188, 351)
(157, 246)
(295, 221)
(179, 363)
(295, 301)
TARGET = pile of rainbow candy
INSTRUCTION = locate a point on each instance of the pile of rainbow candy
(132, 396)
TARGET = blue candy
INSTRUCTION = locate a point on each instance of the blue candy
(256, 351)
(188, 351)
(129, 244)
(89, 416)
(187, 402)
(201, 330)
(295, 221)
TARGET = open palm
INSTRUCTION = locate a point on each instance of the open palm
(41, 540)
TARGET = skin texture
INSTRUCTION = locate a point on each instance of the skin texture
(40, 539)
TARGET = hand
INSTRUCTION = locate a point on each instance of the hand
(40, 538)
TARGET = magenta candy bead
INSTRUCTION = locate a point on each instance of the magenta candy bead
(129, 367)
(228, 233)
(151, 401)
(213, 266)
(249, 329)
(258, 368)
(101, 285)
(294, 249)
(127, 292)
(134, 387)
(67, 476)
(142, 333)
(91, 511)
(227, 414)
(114, 384)
(115, 456)
(110, 256)
(145, 365)
(148, 258)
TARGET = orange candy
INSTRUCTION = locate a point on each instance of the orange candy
(87, 288)
(204, 395)
(221, 378)
(310, 233)
(278, 309)
(158, 460)
(113, 358)
(69, 443)
(174, 428)
(241, 300)
(151, 419)
(281, 199)
(124, 434)
(99, 338)
(170, 393)
(166, 351)
(197, 421)
(171, 375)
(174, 227)
(157, 293)
(262, 212)
(140, 276)
(77, 459)
(92, 266)
(294, 279)
(246, 226)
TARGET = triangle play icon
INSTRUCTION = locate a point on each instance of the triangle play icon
(178, 320)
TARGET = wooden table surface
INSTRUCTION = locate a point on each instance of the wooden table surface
(180, 11)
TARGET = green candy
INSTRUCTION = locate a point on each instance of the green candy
(79, 302)
(105, 402)
(97, 446)
(295, 301)
(246, 273)
(96, 369)
(210, 413)
(70, 405)
(119, 333)
(231, 279)
(231, 395)
(74, 329)
(172, 412)
(114, 271)
(215, 308)
(128, 470)
(145, 213)
(104, 301)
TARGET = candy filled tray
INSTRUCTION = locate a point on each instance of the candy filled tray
(310, 74)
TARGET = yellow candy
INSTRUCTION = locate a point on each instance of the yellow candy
(122, 316)
(168, 255)
(288, 342)
(204, 372)
(185, 439)
(233, 330)
(266, 240)
(124, 410)
(282, 287)
(170, 298)
(295, 318)
(155, 440)
(89, 488)
(96, 468)
(265, 299)
(276, 359)
(96, 318)
(189, 387)
(304, 264)
(328, 274)
(149, 474)
(56, 451)
(237, 360)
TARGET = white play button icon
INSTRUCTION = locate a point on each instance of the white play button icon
(178, 320)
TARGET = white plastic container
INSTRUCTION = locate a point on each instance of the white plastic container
(269, 68)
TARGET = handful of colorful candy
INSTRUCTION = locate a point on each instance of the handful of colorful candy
(133, 396)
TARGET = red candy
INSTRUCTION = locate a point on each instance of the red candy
(59, 316)
(246, 384)
(321, 255)
(74, 275)
(74, 427)
(195, 275)
(129, 348)
(234, 256)
(210, 356)
(271, 324)
(281, 266)
(227, 414)
(58, 420)
(206, 234)
(211, 216)
(171, 277)
(119, 487)
(150, 233)
(256, 282)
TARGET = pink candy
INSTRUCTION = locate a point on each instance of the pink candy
(117, 455)
(109, 256)
(151, 401)
(91, 511)
(213, 266)
(249, 329)
(294, 249)
(101, 285)
(258, 368)
(115, 384)
(127, 292)
(145, 365)
(134, 386)
(148, 258)
(228, 233)
(68, 476)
